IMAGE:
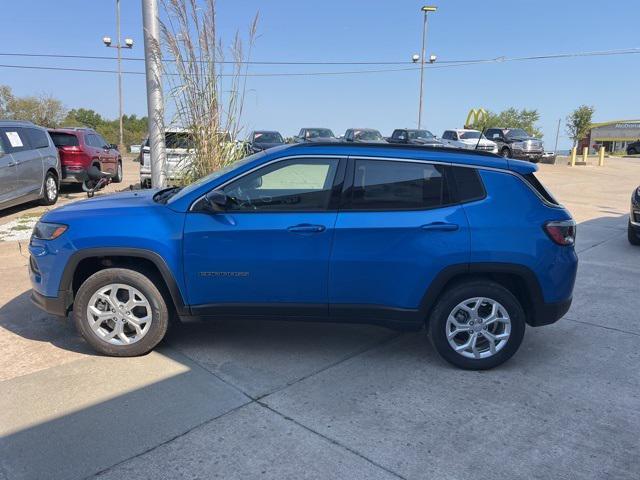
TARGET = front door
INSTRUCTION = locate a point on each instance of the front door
(268, 252)
(398, 229)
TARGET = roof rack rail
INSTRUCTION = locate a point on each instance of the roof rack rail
(396, 146)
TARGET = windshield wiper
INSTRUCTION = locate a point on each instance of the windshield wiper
(165, 194)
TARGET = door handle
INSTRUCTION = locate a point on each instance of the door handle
(440, 226)
(306, 228)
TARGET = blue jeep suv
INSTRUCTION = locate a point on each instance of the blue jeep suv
(467, 244)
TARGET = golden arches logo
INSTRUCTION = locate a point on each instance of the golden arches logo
(476, 117)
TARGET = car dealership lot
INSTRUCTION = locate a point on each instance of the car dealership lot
(301, 400)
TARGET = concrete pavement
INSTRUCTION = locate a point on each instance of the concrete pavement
(293, 400)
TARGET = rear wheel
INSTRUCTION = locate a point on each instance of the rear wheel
(120, 312)
(119, 175)
(477, 325)
(632, 151)
(49, 189)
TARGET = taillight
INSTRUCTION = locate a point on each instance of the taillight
(562, 232)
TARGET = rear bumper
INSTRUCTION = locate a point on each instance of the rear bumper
(548, 313)
(73, 174)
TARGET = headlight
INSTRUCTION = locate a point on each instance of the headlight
(48, 231)
(635, 198)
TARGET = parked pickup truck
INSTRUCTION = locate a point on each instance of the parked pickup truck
(516, 143)
(414, 137)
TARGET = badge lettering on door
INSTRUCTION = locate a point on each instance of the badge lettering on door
(224, 274)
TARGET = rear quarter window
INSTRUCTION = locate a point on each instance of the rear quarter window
(532, 180)
(38, 138)
(469, 185)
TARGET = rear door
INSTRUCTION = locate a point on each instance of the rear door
(8, 171)
(398, 228)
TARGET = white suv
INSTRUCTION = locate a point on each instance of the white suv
(468, 139)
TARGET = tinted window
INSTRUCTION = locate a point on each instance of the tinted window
(14, 139)
(535, 183)
(38, 138)
(101, 141)
(64, 139)
(469, 184)
(267, 137)
(178, 140)
(394, 185)
(399, 134)
(91, 140)
(290, 185)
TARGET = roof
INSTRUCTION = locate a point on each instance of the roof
(403, 151)
(16, 122)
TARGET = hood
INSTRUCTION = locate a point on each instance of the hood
(472, 141)
(371, 141)
(107, 204)
(322, 140)
(264, 145)
(427, 141)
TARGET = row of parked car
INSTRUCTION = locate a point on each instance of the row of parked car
(34, 161)
(508, 142)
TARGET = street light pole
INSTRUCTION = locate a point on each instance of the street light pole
(118, 46)
(426, 9)
(155, 103)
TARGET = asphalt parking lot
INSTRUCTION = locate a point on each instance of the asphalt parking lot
(300, 400)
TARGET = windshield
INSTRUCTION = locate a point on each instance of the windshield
(217, 174)
(318, 133)
(367, 135)
(178, 140)
(425, 134)
(267, 137)
(473, 135)
(516, 133)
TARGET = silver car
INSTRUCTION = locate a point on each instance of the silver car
(29, 164)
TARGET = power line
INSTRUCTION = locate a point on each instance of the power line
(624, 51)
(440, 64)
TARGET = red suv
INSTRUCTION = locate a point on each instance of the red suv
(80, 148)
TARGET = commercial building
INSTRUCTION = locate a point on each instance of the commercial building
(614, 135)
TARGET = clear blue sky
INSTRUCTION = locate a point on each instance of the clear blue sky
(365, 31)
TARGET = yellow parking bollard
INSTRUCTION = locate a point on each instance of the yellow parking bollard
(574, 151)
(585, 153)
(601, 157)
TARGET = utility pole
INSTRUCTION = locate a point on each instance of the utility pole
(118, 46)
(555, 149)
(155, 104)
(426, 9)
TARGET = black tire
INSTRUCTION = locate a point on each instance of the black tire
(633, 235)
(117, 178)
(505, 153)
(632, 151)
(460, 292)
(50, 195)
(137, 280)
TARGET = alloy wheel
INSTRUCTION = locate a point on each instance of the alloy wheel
(478, 328)
(119, 314)
(51, 188)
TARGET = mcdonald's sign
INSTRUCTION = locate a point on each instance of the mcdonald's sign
(476, 118)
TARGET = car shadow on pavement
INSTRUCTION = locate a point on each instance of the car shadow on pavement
(23, 318)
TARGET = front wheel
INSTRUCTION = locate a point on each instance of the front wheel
(120, 312)
(477, 325)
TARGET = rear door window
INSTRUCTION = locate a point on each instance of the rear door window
(397, 185)
(37, 137)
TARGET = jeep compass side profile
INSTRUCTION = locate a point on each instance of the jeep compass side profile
(466, 243)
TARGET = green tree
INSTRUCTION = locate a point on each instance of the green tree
(514, 118)
(42, 110)
(579, 123)
(83, 117)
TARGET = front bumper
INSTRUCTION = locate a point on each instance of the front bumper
(57, 306)
(527, 155)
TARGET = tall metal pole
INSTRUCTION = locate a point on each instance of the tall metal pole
(422, 59)
(119, 48)
(155, 105)
(555, 149)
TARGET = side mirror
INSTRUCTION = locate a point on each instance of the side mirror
(215, 201)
